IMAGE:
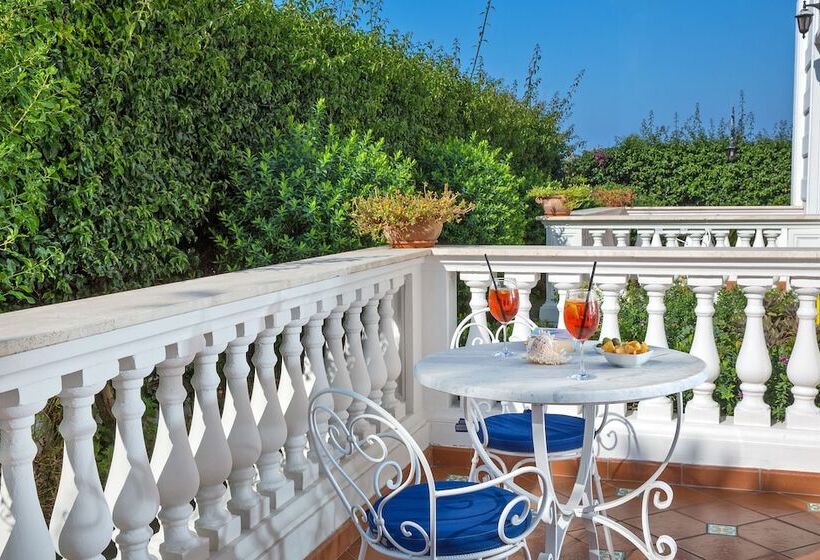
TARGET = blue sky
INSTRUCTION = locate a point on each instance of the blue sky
(638, 55)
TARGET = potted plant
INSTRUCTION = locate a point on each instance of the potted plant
(560, 200)
(408, 219)
(613, 196)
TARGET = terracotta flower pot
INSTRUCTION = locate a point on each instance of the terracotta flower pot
(554, 205)
(423, 234)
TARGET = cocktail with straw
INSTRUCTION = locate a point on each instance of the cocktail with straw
(503, 302)
(582, 312)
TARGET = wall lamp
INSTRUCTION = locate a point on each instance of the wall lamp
(804, 18)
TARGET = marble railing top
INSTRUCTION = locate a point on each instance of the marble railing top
(38, 327)
(705, 216)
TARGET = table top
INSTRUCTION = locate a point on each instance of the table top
(473, 371)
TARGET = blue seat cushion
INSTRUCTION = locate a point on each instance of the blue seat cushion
(465, 524)
(512, 432)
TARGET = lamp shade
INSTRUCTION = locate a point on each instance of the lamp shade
(804, 21)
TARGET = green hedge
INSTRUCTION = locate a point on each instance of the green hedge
(692, 171)
(122, 123)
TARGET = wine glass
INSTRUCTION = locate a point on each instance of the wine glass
(582, 310)
(503, 302)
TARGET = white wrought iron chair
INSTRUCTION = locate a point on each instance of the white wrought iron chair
(408, 514)
(509, 431)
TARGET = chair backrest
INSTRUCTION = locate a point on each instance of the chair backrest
(348, 444)
(476, 322)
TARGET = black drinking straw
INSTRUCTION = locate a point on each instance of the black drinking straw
(586, 300)
(495, 286)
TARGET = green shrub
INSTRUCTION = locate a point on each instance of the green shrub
(482, 176)
(294, 201)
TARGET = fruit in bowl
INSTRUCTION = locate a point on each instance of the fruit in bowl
(632, 353)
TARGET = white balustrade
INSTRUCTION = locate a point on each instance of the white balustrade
(621, 237)
(655, 286)
(525, 283)
(335, 360)
(758, 239)
(804, 364)
(270, 419)
(172, 461)
(671, 237)
(390, 333)
(293, 395)
(315, 375)
(753, 365)
(744, 237)
(130, 490)
(645, 237)
(563, 284)
(597, 237)
(372, 346)
(721, 237)
(703, 408)
(210, 445)
(611, 287)
(478, 283)
(772, 237)
(356, 363)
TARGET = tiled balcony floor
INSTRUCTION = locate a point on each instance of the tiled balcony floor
(769, 526)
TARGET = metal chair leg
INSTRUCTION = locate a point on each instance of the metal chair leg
(596, 480)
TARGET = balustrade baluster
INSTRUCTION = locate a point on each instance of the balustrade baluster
(130, 490)
(721, 237)
(656, 238)
(210, 444)
(243, 435)
(707, 239)
(525, 282)
(621, 237)
(172, 461)
(269, 417)
(611, 287)
(389, 341)
(81, 520)
(563, 284)
(671, 237)
(315, 374)
(23, 531)
(356, 365)
(694, 238)
(744, 237)
(804, 364)
(772, 236)
(293, 396)
(703, 408)
(479, 284)
(335, 360)
(753, 365)
(659, 408)
(758, 239)
(597, 237)
(371, 345)
(645, 237)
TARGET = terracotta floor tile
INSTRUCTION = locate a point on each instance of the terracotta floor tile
(672, 523)
(771, 505)
(776, 535)
(724, 513)
(807, 520)
(811, 552)
(715, 547)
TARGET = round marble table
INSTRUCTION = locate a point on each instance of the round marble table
(473, 373)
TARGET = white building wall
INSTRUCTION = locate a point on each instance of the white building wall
(806, 119)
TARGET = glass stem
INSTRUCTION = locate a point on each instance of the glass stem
(506, 339)
(583, 371)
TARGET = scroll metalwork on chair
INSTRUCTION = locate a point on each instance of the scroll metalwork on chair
(406, 513)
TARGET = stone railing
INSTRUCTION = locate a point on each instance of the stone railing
(749, 438)
(716, 226)
(342, 320)
(361, 320)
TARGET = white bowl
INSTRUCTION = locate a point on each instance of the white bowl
(628, 360)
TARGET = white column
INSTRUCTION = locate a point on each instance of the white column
(210, 444)
(526, 282)
(315, 374)
(372, 347)
(80, 521)
(759, 241)
(23, 531)
(389, 333)
(656, 238)
(772, 236)
(597, 237)
(621, 237)
(356, 365)
(707, 238)
(293, 396)
(721, 237)
(659, 408)
(173, 461)
(243, 435)
(671, 237)
(645, 237)
(270, 419)
(703, 408)
(130, 490)
(335, 360)
(694, 238)
(478, 283)
(753, 365)
(744, 237)
(804, 364)
(611, 287)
